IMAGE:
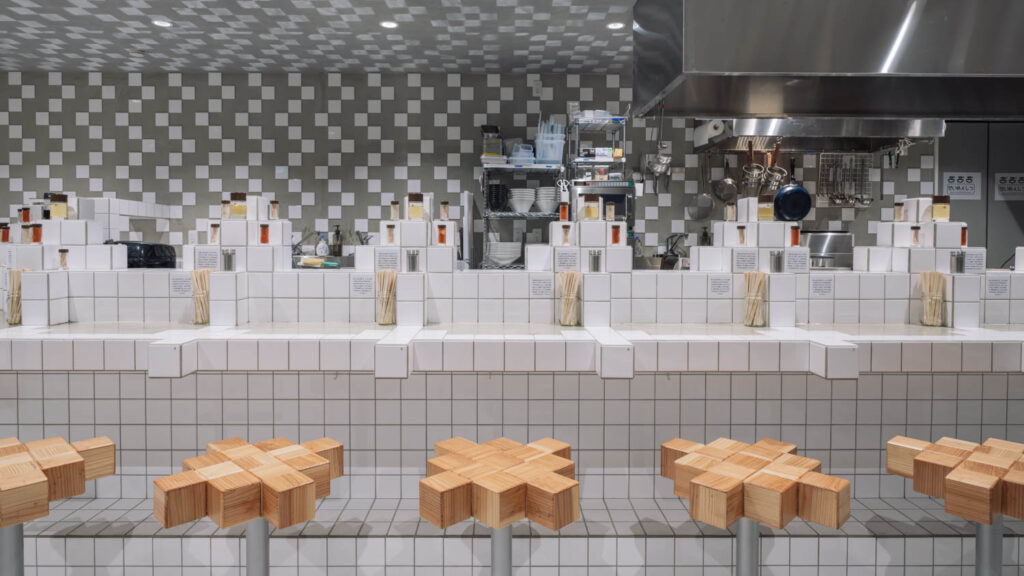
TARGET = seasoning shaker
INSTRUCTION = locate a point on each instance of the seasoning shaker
(412, 261)
(228, 259)
(595, 260)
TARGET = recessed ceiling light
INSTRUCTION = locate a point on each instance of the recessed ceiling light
(389, 24)
(161, 23)
(616, 25)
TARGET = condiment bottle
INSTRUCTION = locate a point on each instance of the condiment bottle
(565, 234)
(916, 240)
(616, 234)
(394, 209)
(63, 258)
(214, 233)
(609, 211)
(591, 207)
(264, 233)
(391, 233)
(741, 231)
(26, 233)
(794, 235)
(238, 205)
(897, 212)
(5, 233)
(37, 233)
(275, 210)
(442, 234)
(766, 207)
(225, 209)
(940, 208)
(444, 210)
(58, 206)
(563, 211)
(963, 236)
(26, 214)
(414, 210)
(730, 211)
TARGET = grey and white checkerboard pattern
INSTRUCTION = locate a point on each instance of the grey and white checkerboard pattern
(313, 35)
(333, 148)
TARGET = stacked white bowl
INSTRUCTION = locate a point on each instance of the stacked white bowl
(504, 253)
(547, 199)
(521, 199)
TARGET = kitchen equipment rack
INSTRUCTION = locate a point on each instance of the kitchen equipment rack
(844, 177)
(553, 171)
(617, 188)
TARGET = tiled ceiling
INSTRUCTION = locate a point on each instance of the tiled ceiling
(312, 35)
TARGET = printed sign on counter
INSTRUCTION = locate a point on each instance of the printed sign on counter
(387, 258)
(744, 259)
(822, 286)
(974, 261)
(1010, 186)
(997, 286)
(567, 259)
(720, 286)
(797, 260)
(542, 286)
(207, 259)
(362, 285)
(962, 185)
(181, 284)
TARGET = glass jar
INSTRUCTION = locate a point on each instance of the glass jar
(391, 233)
(63, 258)
(58, 206)
(264, 233)
(225, 209)
(616, 234)
(765, 207)
(444, 210)
(37, 233)
(591, 207)
(963, 237)
(940, 208)
(794, 236)
(730, 211)
(394, 210)
(26, 233)
(565, 234)
(414, 206)
(897, 212)
(741, 233)
(609, 211)
(442, 234)
(915, 241)
(563, 211)
(238, 205)
(5, 233)
(26, 215)
(214, 233)
(275, 210)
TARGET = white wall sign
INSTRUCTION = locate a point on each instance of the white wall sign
(1010, 186)
(962, 185)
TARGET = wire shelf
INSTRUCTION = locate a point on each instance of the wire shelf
(844, 178)
(524, 167)
(485, 265)
(610, 124)
(502, 214)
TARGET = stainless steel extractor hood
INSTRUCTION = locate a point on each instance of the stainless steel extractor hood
(949, 59)
(814, 133)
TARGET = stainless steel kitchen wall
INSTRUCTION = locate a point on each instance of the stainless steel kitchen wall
(333, 148)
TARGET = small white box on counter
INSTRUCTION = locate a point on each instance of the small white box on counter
(619, 259)
(746, 210)
(73, 232)
(234, 232)
(279, 232)
(260, 259)
(414, 233)
(879, 259)
(440, 259)
(538, 257)
(75, 257)
(593, 234)
(947, 234)
(393, 239)
(917, 209)
(557, 235)
(860, 258)
(451, 230)
(710, 259)
(901, 259)
(257, 207)
(731, 234)
(773, 234)
(922, 259)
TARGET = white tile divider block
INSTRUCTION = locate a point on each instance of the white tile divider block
(549, 353)
(391, 354)
(520, 352)
(580, 351)
(428, 351)
(614, 353)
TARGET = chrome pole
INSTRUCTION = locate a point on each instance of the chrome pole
(748, 548)
(988, 553)
(12, 550)
(257, 548)
(501, 551)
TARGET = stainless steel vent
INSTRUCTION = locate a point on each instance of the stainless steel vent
(949, 59)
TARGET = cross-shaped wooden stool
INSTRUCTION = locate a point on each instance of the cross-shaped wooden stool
(36, 473)
(978, 482)
(767, 482)
(499, 483)
(236, 482)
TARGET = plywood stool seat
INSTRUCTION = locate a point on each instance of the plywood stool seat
(446, 499)
(499, 499)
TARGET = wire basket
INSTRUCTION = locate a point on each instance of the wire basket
(845, 178)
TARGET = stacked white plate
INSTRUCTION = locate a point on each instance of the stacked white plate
(547, 199)
(504, 253)
(521, 199)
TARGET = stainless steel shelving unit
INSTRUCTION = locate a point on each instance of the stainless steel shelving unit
(553, 171)
(620, 190)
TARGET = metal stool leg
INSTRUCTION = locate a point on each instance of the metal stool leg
(257, 548)
(12, 551)
(748, 548)
(501, 552)
(988, 553)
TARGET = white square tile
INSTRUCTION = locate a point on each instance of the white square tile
(273, 355)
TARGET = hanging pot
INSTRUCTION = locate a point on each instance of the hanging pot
(793, 201)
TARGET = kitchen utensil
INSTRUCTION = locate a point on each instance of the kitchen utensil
(792, 202)
(497, 196)
(829, 249)
(522, 199)
(704, 203)
(725, 189)
(753, 173)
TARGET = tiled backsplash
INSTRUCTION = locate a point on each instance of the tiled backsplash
(333, 148)
(388, 426)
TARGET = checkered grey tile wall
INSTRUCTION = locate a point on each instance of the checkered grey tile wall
(333, 148)
(312, 35)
